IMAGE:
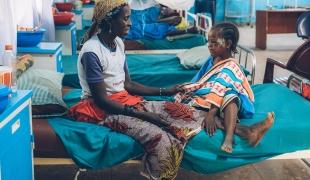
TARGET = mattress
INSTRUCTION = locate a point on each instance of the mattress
(96, 147)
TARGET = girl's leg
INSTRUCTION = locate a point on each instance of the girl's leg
(253, 134)
(230, 120)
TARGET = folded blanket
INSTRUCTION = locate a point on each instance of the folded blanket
(23, 64)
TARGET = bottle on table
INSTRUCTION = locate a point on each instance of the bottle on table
(9, 59)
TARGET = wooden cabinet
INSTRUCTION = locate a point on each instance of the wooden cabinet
(275, 22)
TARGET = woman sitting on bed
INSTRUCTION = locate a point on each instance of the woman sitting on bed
(157, 22)
(220, 87)
(111, 99)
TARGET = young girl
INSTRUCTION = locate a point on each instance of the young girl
(220, 87)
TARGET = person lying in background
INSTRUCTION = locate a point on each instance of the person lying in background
(157, 22)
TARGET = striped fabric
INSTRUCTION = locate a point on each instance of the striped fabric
(218, 86)
(46, 86)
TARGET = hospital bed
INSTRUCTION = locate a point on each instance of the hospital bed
(49, 149)
(186, 41)
(94, 147)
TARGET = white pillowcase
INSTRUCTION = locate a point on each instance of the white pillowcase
(195, 57)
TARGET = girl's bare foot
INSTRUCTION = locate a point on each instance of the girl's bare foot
(257, 131)
(227, 145)
(228, 142)
(252, 134)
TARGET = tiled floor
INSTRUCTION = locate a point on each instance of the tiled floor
(279, 47)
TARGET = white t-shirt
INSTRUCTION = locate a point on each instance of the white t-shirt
(111, 65)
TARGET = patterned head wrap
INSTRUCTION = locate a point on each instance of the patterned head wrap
(103, 9)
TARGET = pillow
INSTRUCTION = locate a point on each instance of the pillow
(46, 86)
(194, 58)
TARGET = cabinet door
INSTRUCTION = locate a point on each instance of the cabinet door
(15, 147)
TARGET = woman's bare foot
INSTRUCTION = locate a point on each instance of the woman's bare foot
(227, 145)
(257, 131)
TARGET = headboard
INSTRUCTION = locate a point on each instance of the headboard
(247, 59)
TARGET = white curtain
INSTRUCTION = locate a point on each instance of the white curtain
(23, 10)
(141, 4)
(43, 18)
(177, 4)
(8, 25)
(173, 4)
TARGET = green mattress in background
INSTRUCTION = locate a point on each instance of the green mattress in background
(161, 70)
(197, 40)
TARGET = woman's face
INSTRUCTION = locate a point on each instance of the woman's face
(121, 25)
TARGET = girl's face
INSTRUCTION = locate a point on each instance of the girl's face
(217, 46)
(121, 25)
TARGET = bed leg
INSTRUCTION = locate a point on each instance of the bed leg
(306, 162)
(78, 173)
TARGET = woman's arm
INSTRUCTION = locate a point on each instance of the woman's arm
(101, 99)
(139, 89)
(95, 80)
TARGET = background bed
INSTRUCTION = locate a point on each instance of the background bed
(159, 70)
(201, 21)
(152, 44)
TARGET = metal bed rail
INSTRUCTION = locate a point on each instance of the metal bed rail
(246, 58)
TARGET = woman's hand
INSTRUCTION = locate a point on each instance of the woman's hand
(174, 90)
(153, 118)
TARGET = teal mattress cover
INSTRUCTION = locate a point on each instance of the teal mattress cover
(160, 70)
(96, 147)
(187, 43)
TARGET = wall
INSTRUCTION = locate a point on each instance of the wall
(259, 5)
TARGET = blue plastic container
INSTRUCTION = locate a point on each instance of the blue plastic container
(29, 38)
(4, 97)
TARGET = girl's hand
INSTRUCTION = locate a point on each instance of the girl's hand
(210, 124)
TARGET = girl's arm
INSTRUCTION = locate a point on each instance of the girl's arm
(139, 89)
